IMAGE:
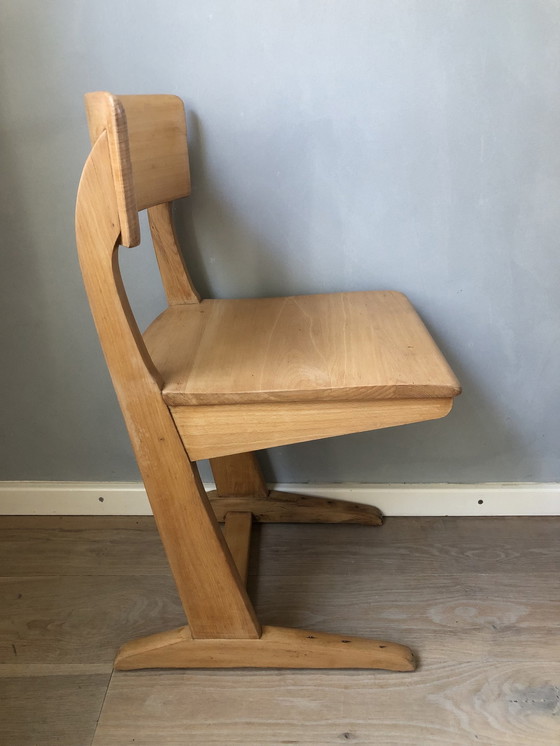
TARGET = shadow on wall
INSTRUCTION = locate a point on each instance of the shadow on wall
(424, 452)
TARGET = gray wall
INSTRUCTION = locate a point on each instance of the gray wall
(406, 144)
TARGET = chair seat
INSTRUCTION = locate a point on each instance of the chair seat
(335, 347)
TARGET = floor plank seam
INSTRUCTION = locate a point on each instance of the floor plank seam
(101, 708)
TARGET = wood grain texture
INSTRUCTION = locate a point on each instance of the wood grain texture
(303, 357)
(483, 615)
(147, 138)
(342, 346)
(509, 546)
(446, 704)
(478, 597)
(214, 599)
(129, 545)
(106, 118)
(277, 647)
(223, 429)
(157, 135)
(288, 507)
(60, 710)
(239, 475)
(175, 278)
(22, 670)
(81, 619)
(444, 604)
(237, 532)
(80, 545)
(441, 618)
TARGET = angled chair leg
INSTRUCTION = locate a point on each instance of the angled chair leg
(237, 533)
(240, 487)
(238, 476)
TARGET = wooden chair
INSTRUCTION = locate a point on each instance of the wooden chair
(219, 379)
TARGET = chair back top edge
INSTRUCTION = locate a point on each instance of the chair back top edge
(147, 137)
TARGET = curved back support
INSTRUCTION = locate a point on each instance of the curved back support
(211, 590)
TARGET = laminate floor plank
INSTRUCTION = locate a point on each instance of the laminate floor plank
(477, 598)
(490, 617)
(65, 619)
(410, 546)
(113, 545)
(50, 710)
(445, 704)
(80, 545)
(81, 619)
(77, 522)
(14, 670)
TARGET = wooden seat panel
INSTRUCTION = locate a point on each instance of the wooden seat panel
(335, 347)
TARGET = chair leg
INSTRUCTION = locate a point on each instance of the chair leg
(240, 487)
(237, 533)
(239, 475)
(275, 647)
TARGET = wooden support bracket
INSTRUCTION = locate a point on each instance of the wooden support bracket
(287, 507)
(278, 647)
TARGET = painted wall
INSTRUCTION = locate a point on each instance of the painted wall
(406, 144)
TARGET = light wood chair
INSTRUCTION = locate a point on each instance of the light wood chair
(219, 379)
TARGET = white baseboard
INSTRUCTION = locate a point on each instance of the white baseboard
(129, 498)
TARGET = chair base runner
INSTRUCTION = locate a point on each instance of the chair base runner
(288, 507)
(278, 647)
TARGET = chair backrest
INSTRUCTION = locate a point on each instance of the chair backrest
(139, 160)
(147, 138)
(147, 141)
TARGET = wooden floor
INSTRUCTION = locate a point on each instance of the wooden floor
(478, 599)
